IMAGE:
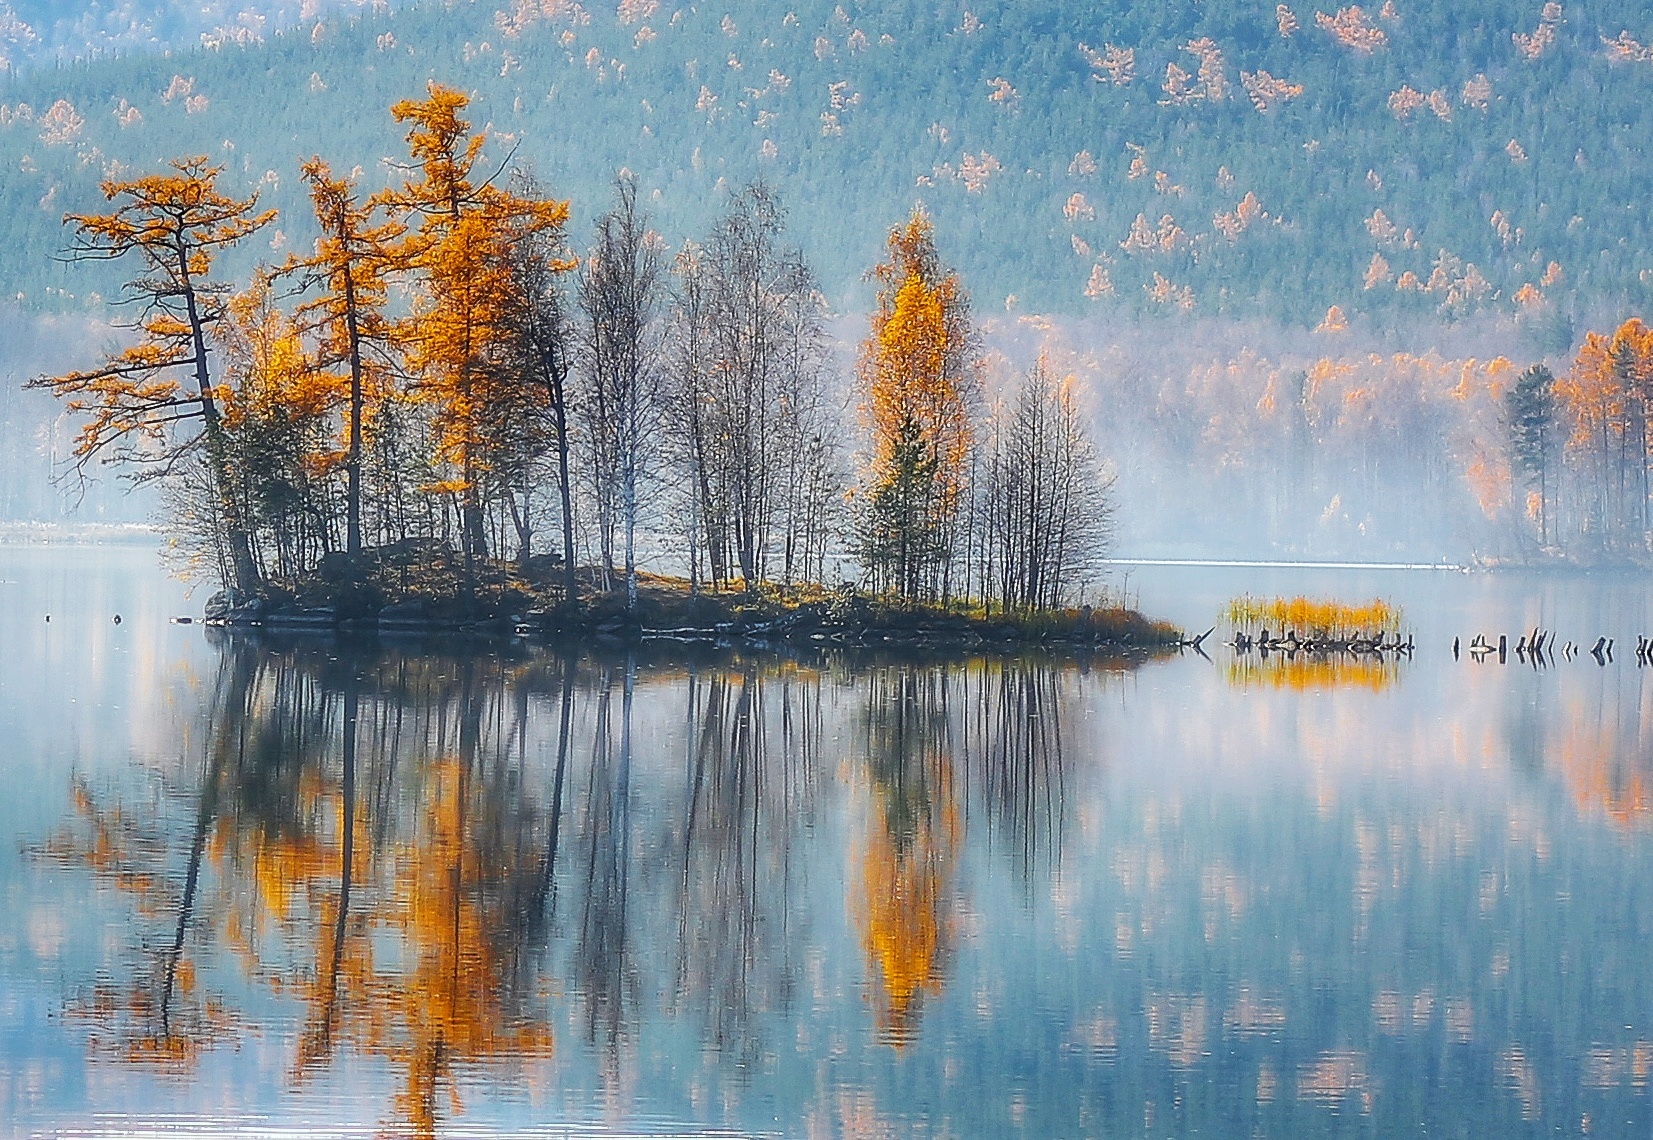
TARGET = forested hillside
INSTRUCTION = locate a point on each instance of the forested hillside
(1408, 163)
(37, 33)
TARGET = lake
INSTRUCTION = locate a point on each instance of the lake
(293, 886)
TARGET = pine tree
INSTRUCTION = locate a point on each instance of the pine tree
(1530, 415)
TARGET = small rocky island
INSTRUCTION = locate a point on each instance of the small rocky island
(435, 594)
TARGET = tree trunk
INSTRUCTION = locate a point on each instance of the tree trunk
(353, 459)
(243, 567)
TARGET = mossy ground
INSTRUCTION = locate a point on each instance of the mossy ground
(440, 593)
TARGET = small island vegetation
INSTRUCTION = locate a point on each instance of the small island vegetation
(1316, 627)
(445, 414)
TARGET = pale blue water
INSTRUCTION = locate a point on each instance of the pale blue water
(839, 897)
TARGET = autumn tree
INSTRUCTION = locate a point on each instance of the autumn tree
(1606, 397)
(619, 295)
(917, 371)
(461, 224)
(278, 421)
(138, 400)
(349, 267)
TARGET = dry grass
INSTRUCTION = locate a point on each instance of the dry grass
(1313, 617)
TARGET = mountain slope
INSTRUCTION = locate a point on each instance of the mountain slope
(1414, 163)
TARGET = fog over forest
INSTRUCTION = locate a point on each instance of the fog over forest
(1293, 261)
(1187, 413)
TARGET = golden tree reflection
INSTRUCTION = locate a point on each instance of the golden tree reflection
(1305, 671)
(911, 847)
(1603, 752)
(383, 887)
(402, 856)
(988, 742)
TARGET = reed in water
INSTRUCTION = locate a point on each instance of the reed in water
(1318, 618)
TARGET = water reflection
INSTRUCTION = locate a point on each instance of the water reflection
(373, 864)
(446, 862)
(909, 851)
(753, 738)
(1604, 746)
(843, 896)
(1304, 671)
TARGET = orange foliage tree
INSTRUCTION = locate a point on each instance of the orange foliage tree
(1606, 396)
(918, 375)
(277, 421)
(458, 249)
(174, 223)
(349, 264)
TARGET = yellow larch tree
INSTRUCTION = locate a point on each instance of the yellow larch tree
(277, 420)
(917, 373)
(174, 223)
(1607, 396)
(461, 226)
(349, 266)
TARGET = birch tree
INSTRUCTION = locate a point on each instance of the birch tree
(619, 302)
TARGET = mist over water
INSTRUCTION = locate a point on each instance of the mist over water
(1226, 440)
(495, 887)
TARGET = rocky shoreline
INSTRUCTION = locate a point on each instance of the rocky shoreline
(669, 611)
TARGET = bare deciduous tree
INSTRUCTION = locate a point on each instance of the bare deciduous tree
(1042, 515)
(618, 294)
(752, 415)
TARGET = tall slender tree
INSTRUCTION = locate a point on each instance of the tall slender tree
(349, 267)
(1530, 418)
(619, 303)
(918, 377)
(541, 347)
(174, 224)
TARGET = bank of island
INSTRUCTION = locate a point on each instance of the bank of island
(434, 597)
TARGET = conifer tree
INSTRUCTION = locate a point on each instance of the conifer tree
(349, 265)
(1530, 414)
(458, 250)
(174, 223)
(917, 371)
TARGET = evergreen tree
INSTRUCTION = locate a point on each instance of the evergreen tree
(1530, 415)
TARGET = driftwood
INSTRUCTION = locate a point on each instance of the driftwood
(1537, 647)
(1372, 645)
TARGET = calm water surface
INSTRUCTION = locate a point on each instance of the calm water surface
(294, 886)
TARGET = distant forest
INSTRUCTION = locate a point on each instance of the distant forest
(1404, 162)
(1295, 258)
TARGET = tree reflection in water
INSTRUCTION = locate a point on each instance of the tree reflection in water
(384, 840)
(752, 735)
(987, 742)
